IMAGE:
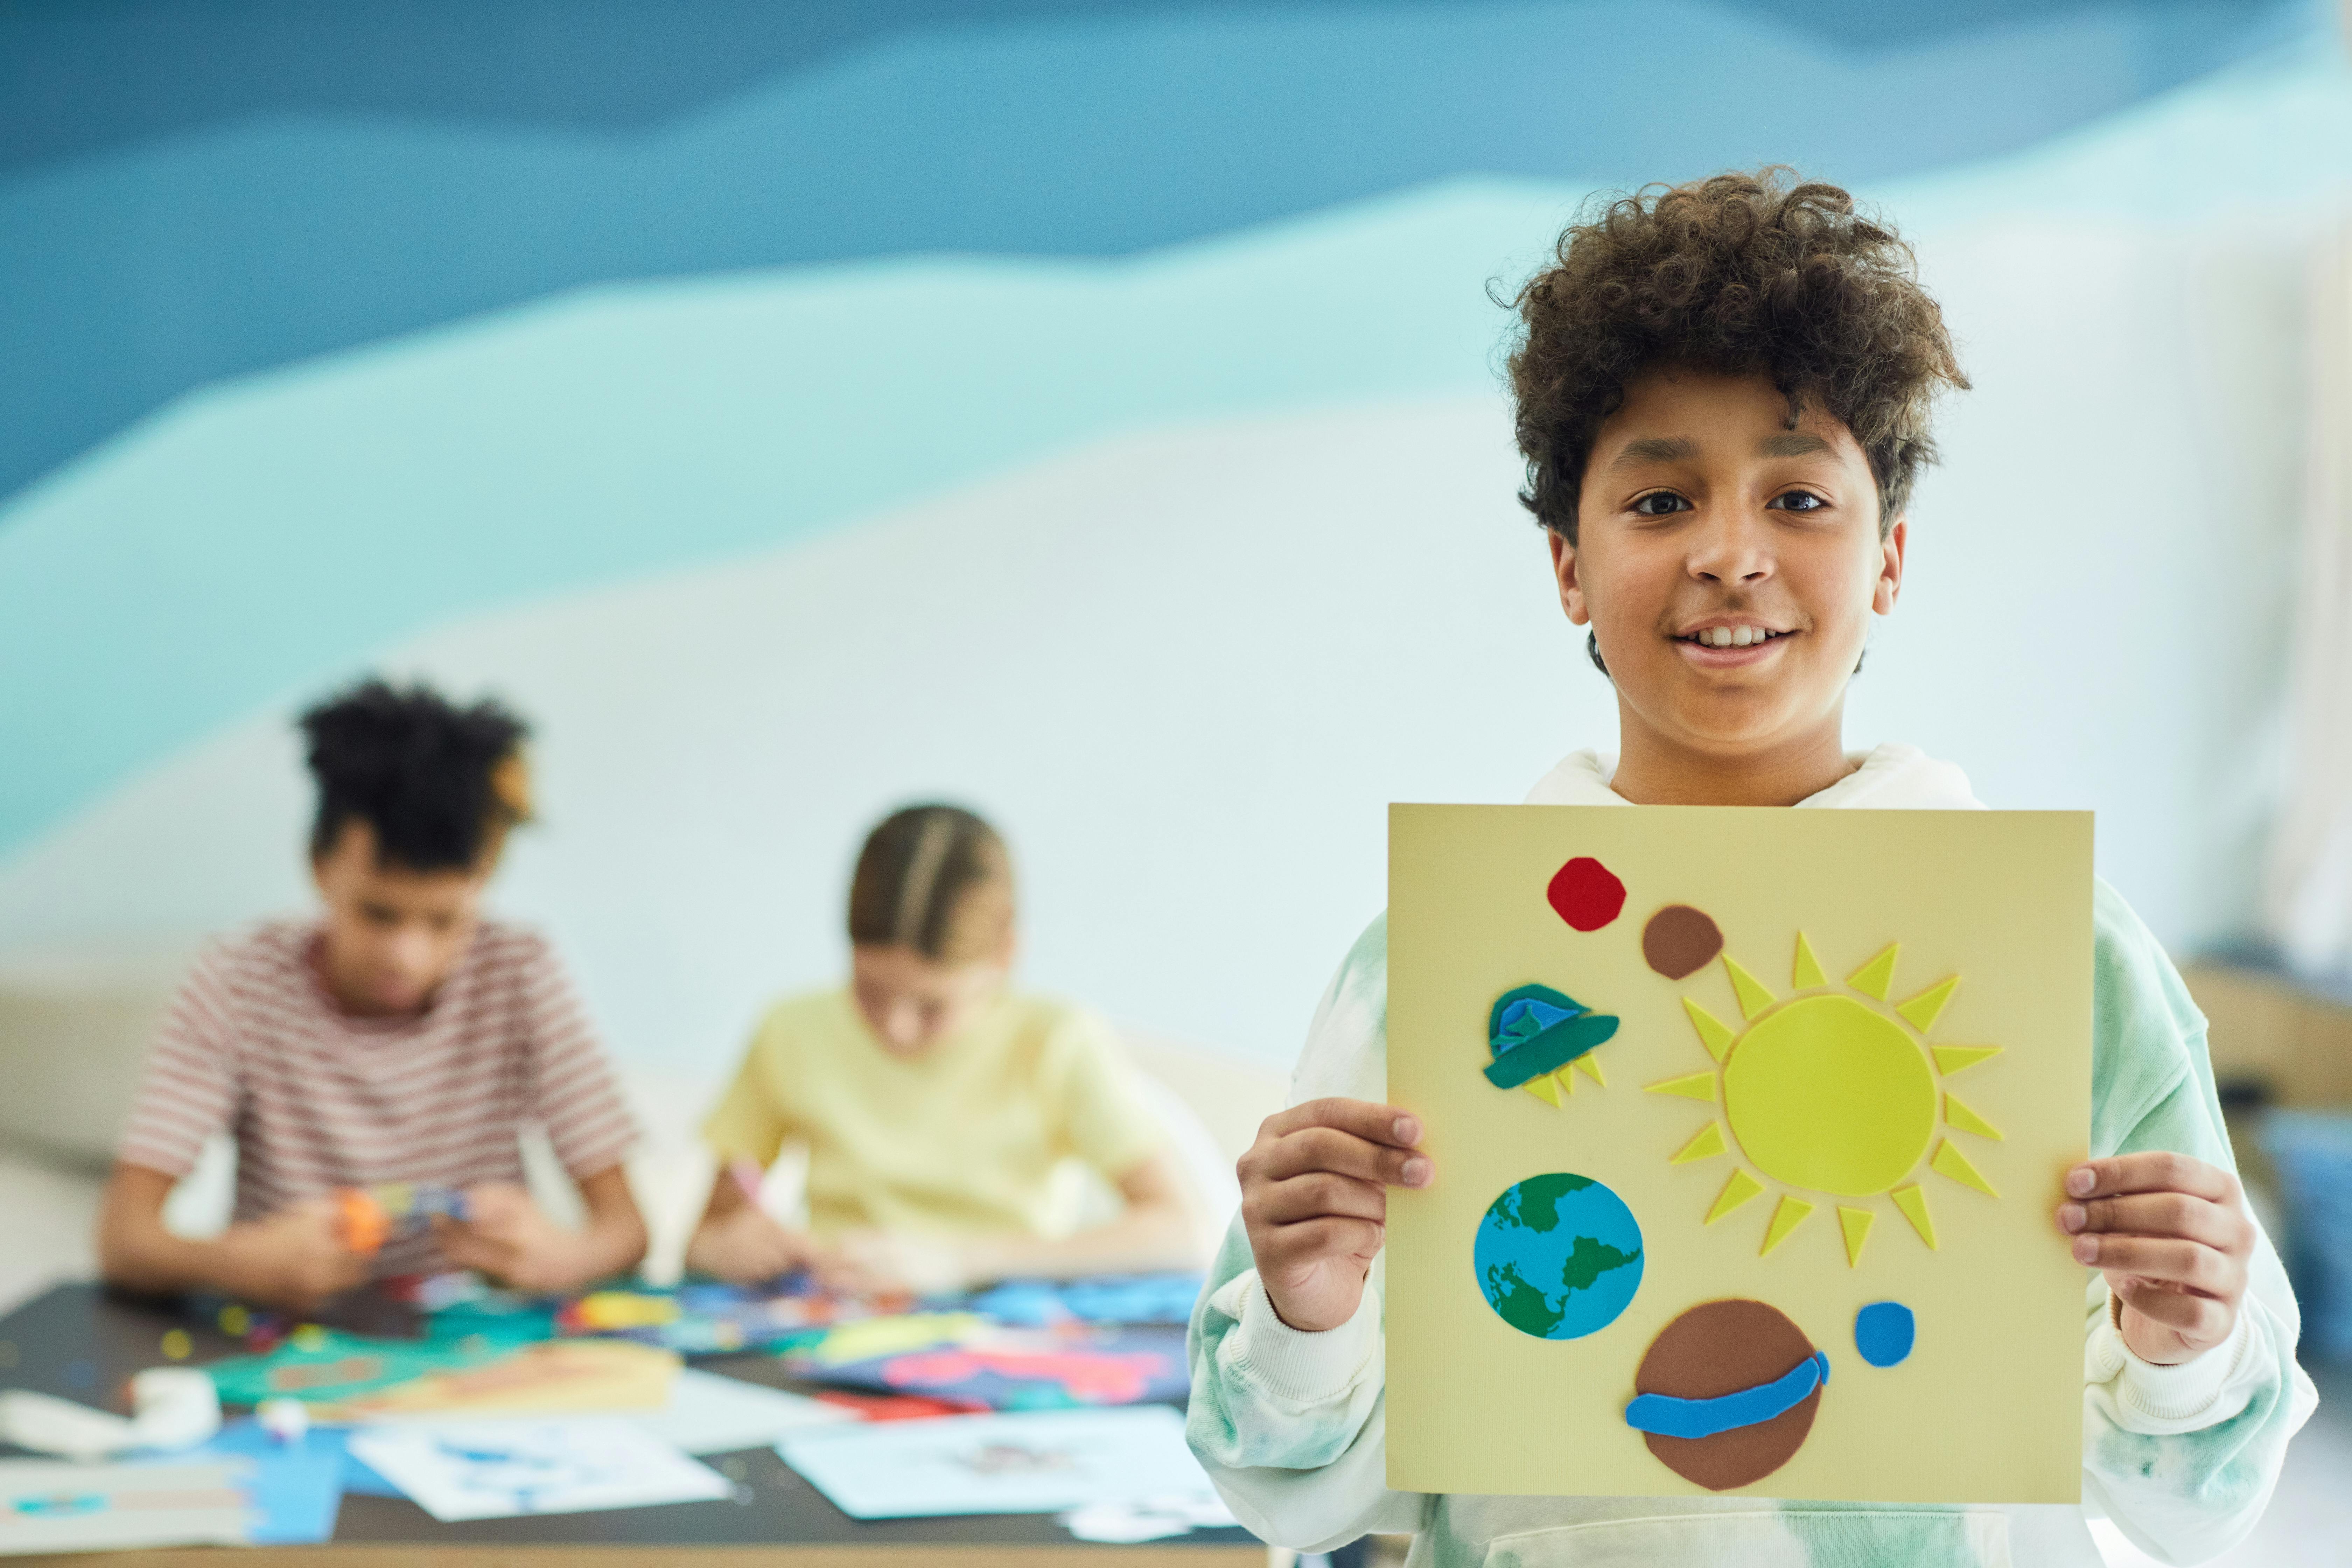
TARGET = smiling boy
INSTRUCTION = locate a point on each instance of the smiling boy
(1723, 394)
(400, 1037)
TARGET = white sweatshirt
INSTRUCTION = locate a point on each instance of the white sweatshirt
(1291, 1426)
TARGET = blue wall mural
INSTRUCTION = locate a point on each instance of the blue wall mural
(389, 330)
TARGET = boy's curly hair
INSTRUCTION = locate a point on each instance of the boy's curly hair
(1738, 273)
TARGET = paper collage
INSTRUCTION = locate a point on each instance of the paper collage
(496, 1469)
(1748, 1125)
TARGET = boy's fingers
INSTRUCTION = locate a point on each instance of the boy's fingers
(2155, 1171)
(2158, 1214)
(1375, 1124)
(1315, 1239)
(2190, 1264)
(1313, 1196)
(1344, 1153)
(2195, 1317)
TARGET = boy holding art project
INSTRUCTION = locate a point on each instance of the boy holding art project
(1723, 394)
(386, 1051)
(935, 1103)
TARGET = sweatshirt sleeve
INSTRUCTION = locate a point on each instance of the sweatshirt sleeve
(2183, 1458)
(1291, 1426)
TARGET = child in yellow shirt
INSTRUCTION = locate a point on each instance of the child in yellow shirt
(935, 1102)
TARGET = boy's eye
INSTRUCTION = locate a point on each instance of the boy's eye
(1796, 500)
(1659, 503)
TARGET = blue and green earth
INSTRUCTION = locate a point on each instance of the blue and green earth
(1558, 1256)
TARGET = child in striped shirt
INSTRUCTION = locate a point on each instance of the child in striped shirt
(399, 1036)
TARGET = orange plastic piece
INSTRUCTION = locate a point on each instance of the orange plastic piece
(365, 1225)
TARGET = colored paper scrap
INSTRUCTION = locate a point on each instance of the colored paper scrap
(327, 1366)
(1108, 1299)
(1039, 1461)
(496, 1469)
(47, 1505)
(297, 1489)
(543, 1379)
(1022, 1369)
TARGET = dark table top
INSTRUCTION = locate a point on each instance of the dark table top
(83, 1343)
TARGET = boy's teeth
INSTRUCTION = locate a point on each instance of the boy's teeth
(1733, 637)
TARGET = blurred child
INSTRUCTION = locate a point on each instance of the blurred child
(1722, 393)
(399, 1035)
(935, 1103)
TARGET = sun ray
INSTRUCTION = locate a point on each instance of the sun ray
(1706, 1145)
(1690, 1086)
(1950, 1161)
(1787, 1216)
(1806, 974)
(1588, 1064)
(1950, 1059)
(1923, 1009)
(1736, 1192)
(1876, 978)
(1957, 1114)
(1753, 997)
(1545, 1087)
(1854, 1224)
(1914, 1205)
(1713, 1033)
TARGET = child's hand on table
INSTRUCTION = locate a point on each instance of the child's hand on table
(881, 1262)
(295, 1259)
(2171, 1235)
(747, 1246)
(507, 1237)
(1314, 1201)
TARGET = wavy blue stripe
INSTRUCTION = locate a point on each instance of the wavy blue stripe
(1667, 1417)
(127, 279)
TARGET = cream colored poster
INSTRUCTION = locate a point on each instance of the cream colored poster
(1747, 1125)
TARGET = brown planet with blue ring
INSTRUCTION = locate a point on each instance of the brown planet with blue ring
(1726, 1392)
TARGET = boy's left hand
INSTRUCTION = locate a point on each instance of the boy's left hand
(2171, 1235)
(504, 1236)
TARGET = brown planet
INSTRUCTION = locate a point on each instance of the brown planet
(1721, 1348)
(1679, 941)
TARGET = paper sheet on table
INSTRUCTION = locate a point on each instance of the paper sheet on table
(1044, 1461)
(558, 1377)
(1843, 1057)
(711, 1413)
(297, 1489)
(496, 1469)
(48, 1506)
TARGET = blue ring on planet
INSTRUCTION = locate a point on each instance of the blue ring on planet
(1665, 1417)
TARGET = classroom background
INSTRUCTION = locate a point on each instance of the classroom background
(1090, 410)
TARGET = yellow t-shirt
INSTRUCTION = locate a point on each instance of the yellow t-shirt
(965, 1137)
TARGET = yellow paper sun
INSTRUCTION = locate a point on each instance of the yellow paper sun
(1832, 1095)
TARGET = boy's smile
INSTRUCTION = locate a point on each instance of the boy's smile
(1728, 563)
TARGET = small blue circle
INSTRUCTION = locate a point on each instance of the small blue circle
(1557, 1255)
(1882, 1333)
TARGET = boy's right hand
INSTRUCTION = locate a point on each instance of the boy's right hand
(745, 1246)
(294, 1259)
(1314, 1201)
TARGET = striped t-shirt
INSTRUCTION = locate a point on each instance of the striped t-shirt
(255, 1046)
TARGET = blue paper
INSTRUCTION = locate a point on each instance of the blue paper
(1882, 1333)
(297, 1488)
(1109, 1298)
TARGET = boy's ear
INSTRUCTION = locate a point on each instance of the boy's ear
(1890, 566)
(1563, 569)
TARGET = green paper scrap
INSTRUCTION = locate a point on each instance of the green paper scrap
(327, 1366)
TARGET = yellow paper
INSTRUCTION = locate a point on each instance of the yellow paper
(558, 1377)
(1952, 929)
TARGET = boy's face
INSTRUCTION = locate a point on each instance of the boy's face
(392, 935)
(912, 1003)
(1705, 517)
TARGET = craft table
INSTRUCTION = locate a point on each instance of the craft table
(82, 1343)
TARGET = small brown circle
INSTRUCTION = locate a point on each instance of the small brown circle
(1719, 1348)
(1680, 940)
